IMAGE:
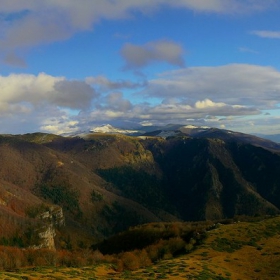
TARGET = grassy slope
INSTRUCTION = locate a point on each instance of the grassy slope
(236, 251)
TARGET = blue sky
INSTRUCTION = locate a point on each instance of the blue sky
(68, 66)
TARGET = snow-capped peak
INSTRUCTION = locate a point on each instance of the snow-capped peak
(190, 126)
(107, 128)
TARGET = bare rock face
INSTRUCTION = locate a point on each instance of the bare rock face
(54, 216)
(47, 238)
(50, 221)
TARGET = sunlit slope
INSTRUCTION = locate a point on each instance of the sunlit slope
(238, 251)
(243, 250)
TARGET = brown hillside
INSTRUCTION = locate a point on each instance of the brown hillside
(107, 183)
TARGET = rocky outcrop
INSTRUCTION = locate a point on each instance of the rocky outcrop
(51, 219)
(54, 216)
(47, 238)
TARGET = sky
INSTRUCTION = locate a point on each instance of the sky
(68, 66)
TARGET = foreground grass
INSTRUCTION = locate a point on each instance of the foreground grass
(235, 251)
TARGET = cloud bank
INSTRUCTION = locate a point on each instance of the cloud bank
(249, 85)
(234, 96)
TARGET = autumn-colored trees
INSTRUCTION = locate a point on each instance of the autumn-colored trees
(163, 249)
(144, 245)
(12, 258)
(163, 241)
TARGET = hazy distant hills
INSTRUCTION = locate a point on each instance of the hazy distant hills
(190, 130)
(106, 182)
(208, 132)
(272, 137)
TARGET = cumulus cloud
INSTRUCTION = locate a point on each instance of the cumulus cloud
(223, 96)
(232, 95)
(137, 56)
(207, 103)
(23, 118)
(117, 102)
(27, 102)
(111, 107)
(267, 34)
(163, 113)
(60, 125)
(31, 90)
(72, 94)
(248, 85)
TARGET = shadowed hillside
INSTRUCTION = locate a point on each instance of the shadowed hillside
(105, 183)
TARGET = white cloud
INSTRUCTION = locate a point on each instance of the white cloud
(27, 102)
(9, 110)
(137, 56)
(234, 84)
(207, 103)
(223, 96)
(267, 34)
(61, 125)
(45, 89)
(116, 102)
(164, 113)
(230, 95)
(23, 117)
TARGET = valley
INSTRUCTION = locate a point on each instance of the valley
(74, 193)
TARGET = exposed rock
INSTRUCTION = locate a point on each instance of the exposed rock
(47, 238)
(50, 220)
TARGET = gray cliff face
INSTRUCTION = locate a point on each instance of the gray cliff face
(47, 238)
(55, 216)
(51, 220)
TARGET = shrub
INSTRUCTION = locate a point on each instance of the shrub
(11, 258)
(34, 210)
(96, 196)
(176, 245)
(91, 257)
(65, 258)
(144, 258)
(189, 247)
(119, 265)
(153, 252)
(130, 261)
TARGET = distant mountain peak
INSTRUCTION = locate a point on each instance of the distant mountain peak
(190, 126)
(107, 128)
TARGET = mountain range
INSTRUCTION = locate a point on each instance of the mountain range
(104, 183)
(136, 131)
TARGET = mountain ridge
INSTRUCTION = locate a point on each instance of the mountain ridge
(105, 183)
